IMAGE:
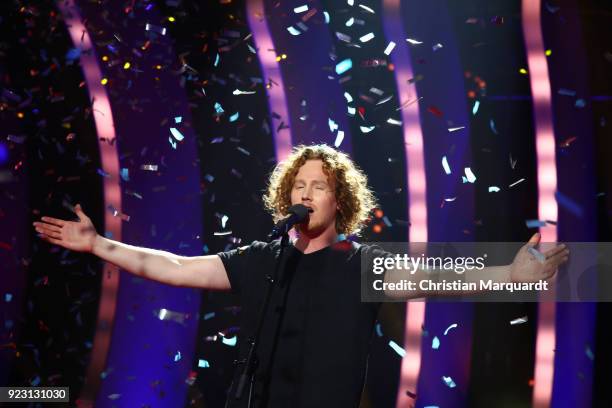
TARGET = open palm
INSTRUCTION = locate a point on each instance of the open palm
(76, 236)
(526, 268)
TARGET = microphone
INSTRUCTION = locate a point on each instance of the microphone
(297, 214)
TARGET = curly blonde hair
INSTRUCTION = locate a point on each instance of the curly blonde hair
(354, 197)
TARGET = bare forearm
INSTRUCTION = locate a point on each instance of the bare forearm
(148, 263)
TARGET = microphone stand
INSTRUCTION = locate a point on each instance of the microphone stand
(248, 373)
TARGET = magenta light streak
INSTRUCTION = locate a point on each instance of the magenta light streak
(547, 184)
(416, 192)
(272, 75)
(105, 129)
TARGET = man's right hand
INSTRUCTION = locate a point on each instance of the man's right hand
(77, 236)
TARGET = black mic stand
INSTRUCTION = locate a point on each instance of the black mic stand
(248, 373)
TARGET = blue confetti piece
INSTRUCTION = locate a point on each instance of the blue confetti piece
(103, 173)
(379, 332)
(449, 382)
(217, 60)
(234, 117)
(73, 54)
(178, 119)
(209, 315)
(8, 297)
(125, 174)
(177, 134)
(475, 107)
(203, 363)
(580, 103)
(535, 223)
(177, 356)
(492, 126)
(344, 66)
(566, 92)
(218, 108)
(435, 343)
(230, 342)
(589, 353)
(537, 254)
(568, 204)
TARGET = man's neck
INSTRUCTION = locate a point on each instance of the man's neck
(308, 244)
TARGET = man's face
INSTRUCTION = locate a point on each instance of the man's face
(312, 188)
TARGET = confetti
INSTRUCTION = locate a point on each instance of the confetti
(454, 129)
(176, 134)
(300, 9)
(519, 320)
(414, 42)
(452, 326)
(366, 8)
(435, 343)
(332, 125)
(149, 167)
(389, 48)
(239, 92)
(293, 31)
(589, 353)
(435, 111)
(493, 189)
(392, 121)
(366, 37)
(445, 165)
(366, 129)
(339, 138)
(203, 363)
(492, 126)
(436, 47)
(475, 107)
(449, 382)
(537, 254)
(154, 28)
(344, 66)
(177, 356)
(125, 174)
(230, 341)
(234, 117)
(535, 223)
(568, 204)
(516, 182)
(469, 176)
(169, 315)
(399, 350)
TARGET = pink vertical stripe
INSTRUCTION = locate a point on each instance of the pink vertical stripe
(416, 192)
(272, 75)
(547, 184)
(105, 129)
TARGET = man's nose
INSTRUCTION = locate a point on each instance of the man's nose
(307, 193)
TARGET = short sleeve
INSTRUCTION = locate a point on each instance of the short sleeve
(235, 263)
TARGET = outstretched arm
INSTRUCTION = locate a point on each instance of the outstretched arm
(524, 268)
(205, 272)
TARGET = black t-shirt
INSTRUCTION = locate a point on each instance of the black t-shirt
(314, 343)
